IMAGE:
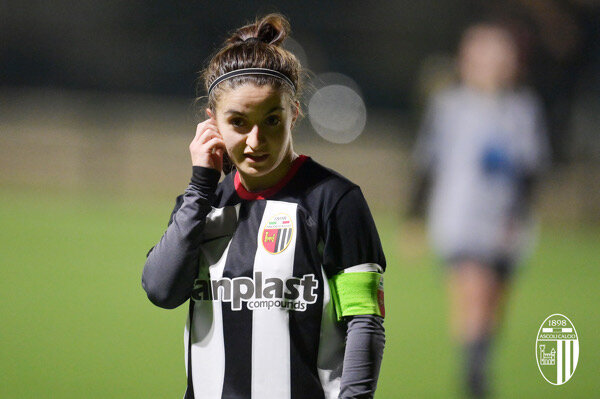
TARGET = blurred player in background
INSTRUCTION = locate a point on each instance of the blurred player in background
(482, 145)
(281, 260)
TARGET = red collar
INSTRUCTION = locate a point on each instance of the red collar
(269, 192)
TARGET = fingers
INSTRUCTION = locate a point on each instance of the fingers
(207, 142)
(207, 125)
(206, 136)
(207, 147)
(215, 144)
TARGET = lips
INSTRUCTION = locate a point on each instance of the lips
(257, 157)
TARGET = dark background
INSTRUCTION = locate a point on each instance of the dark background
(158, 47)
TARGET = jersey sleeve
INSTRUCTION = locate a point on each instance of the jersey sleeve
(365, 341)
(426, 147)
(172, 264)
(353, 258)
(534, 145)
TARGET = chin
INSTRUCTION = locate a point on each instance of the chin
(256, 171)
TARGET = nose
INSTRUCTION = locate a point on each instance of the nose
(254, 138)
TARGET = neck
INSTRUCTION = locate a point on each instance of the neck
(260, 183)
(486, 87)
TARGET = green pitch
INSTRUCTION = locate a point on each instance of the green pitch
(76, 322)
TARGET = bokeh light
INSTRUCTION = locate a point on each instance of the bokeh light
(336, 110)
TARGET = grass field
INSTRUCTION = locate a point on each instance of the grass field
(76, 322)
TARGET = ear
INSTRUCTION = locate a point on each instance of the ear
(210, 113)
(296, 111)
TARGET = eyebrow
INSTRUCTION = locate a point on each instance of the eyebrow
(233, 111)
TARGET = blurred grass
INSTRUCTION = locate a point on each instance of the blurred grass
(76, 322)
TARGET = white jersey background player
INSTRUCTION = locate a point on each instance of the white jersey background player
(280, 261)
(482, 144)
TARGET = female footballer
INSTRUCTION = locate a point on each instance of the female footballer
(281, 260)
(483, 145)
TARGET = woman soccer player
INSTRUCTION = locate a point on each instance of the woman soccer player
(483, 145)
(281, 260)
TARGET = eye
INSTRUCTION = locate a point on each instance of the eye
(236, 122)
(273, 120)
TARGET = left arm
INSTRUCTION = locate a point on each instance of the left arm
(365, 341)
(354, 259)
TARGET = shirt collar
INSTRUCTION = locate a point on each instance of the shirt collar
(269, 192)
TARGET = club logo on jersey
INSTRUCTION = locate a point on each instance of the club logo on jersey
(557, 349)
(293, 293)
(277, 233)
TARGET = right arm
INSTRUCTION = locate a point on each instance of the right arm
(423, 159)
(172, 265)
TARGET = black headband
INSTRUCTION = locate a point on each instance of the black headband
(251, 71)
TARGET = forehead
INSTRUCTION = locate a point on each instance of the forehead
(250, 97)
(493, 38)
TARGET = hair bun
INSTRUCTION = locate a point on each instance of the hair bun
(271, 29)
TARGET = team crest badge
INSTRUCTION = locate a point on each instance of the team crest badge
(277, 233)
(557, 349)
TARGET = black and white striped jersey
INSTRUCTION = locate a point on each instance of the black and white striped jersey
(262, 323)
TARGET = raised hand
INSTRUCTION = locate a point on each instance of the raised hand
(207, 147)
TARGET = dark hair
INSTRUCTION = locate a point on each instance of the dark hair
(257, 45)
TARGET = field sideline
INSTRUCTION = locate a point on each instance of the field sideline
(76, 322)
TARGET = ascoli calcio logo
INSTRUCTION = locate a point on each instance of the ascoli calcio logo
(557, 349)
(277, 233)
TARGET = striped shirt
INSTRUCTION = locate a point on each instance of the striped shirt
(261, 322)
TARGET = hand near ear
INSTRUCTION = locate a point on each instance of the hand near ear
(207, 147)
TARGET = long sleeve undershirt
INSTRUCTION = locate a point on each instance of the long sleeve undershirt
(365, 340)
(172, 266)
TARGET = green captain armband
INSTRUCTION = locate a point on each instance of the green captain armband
(357, 293)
